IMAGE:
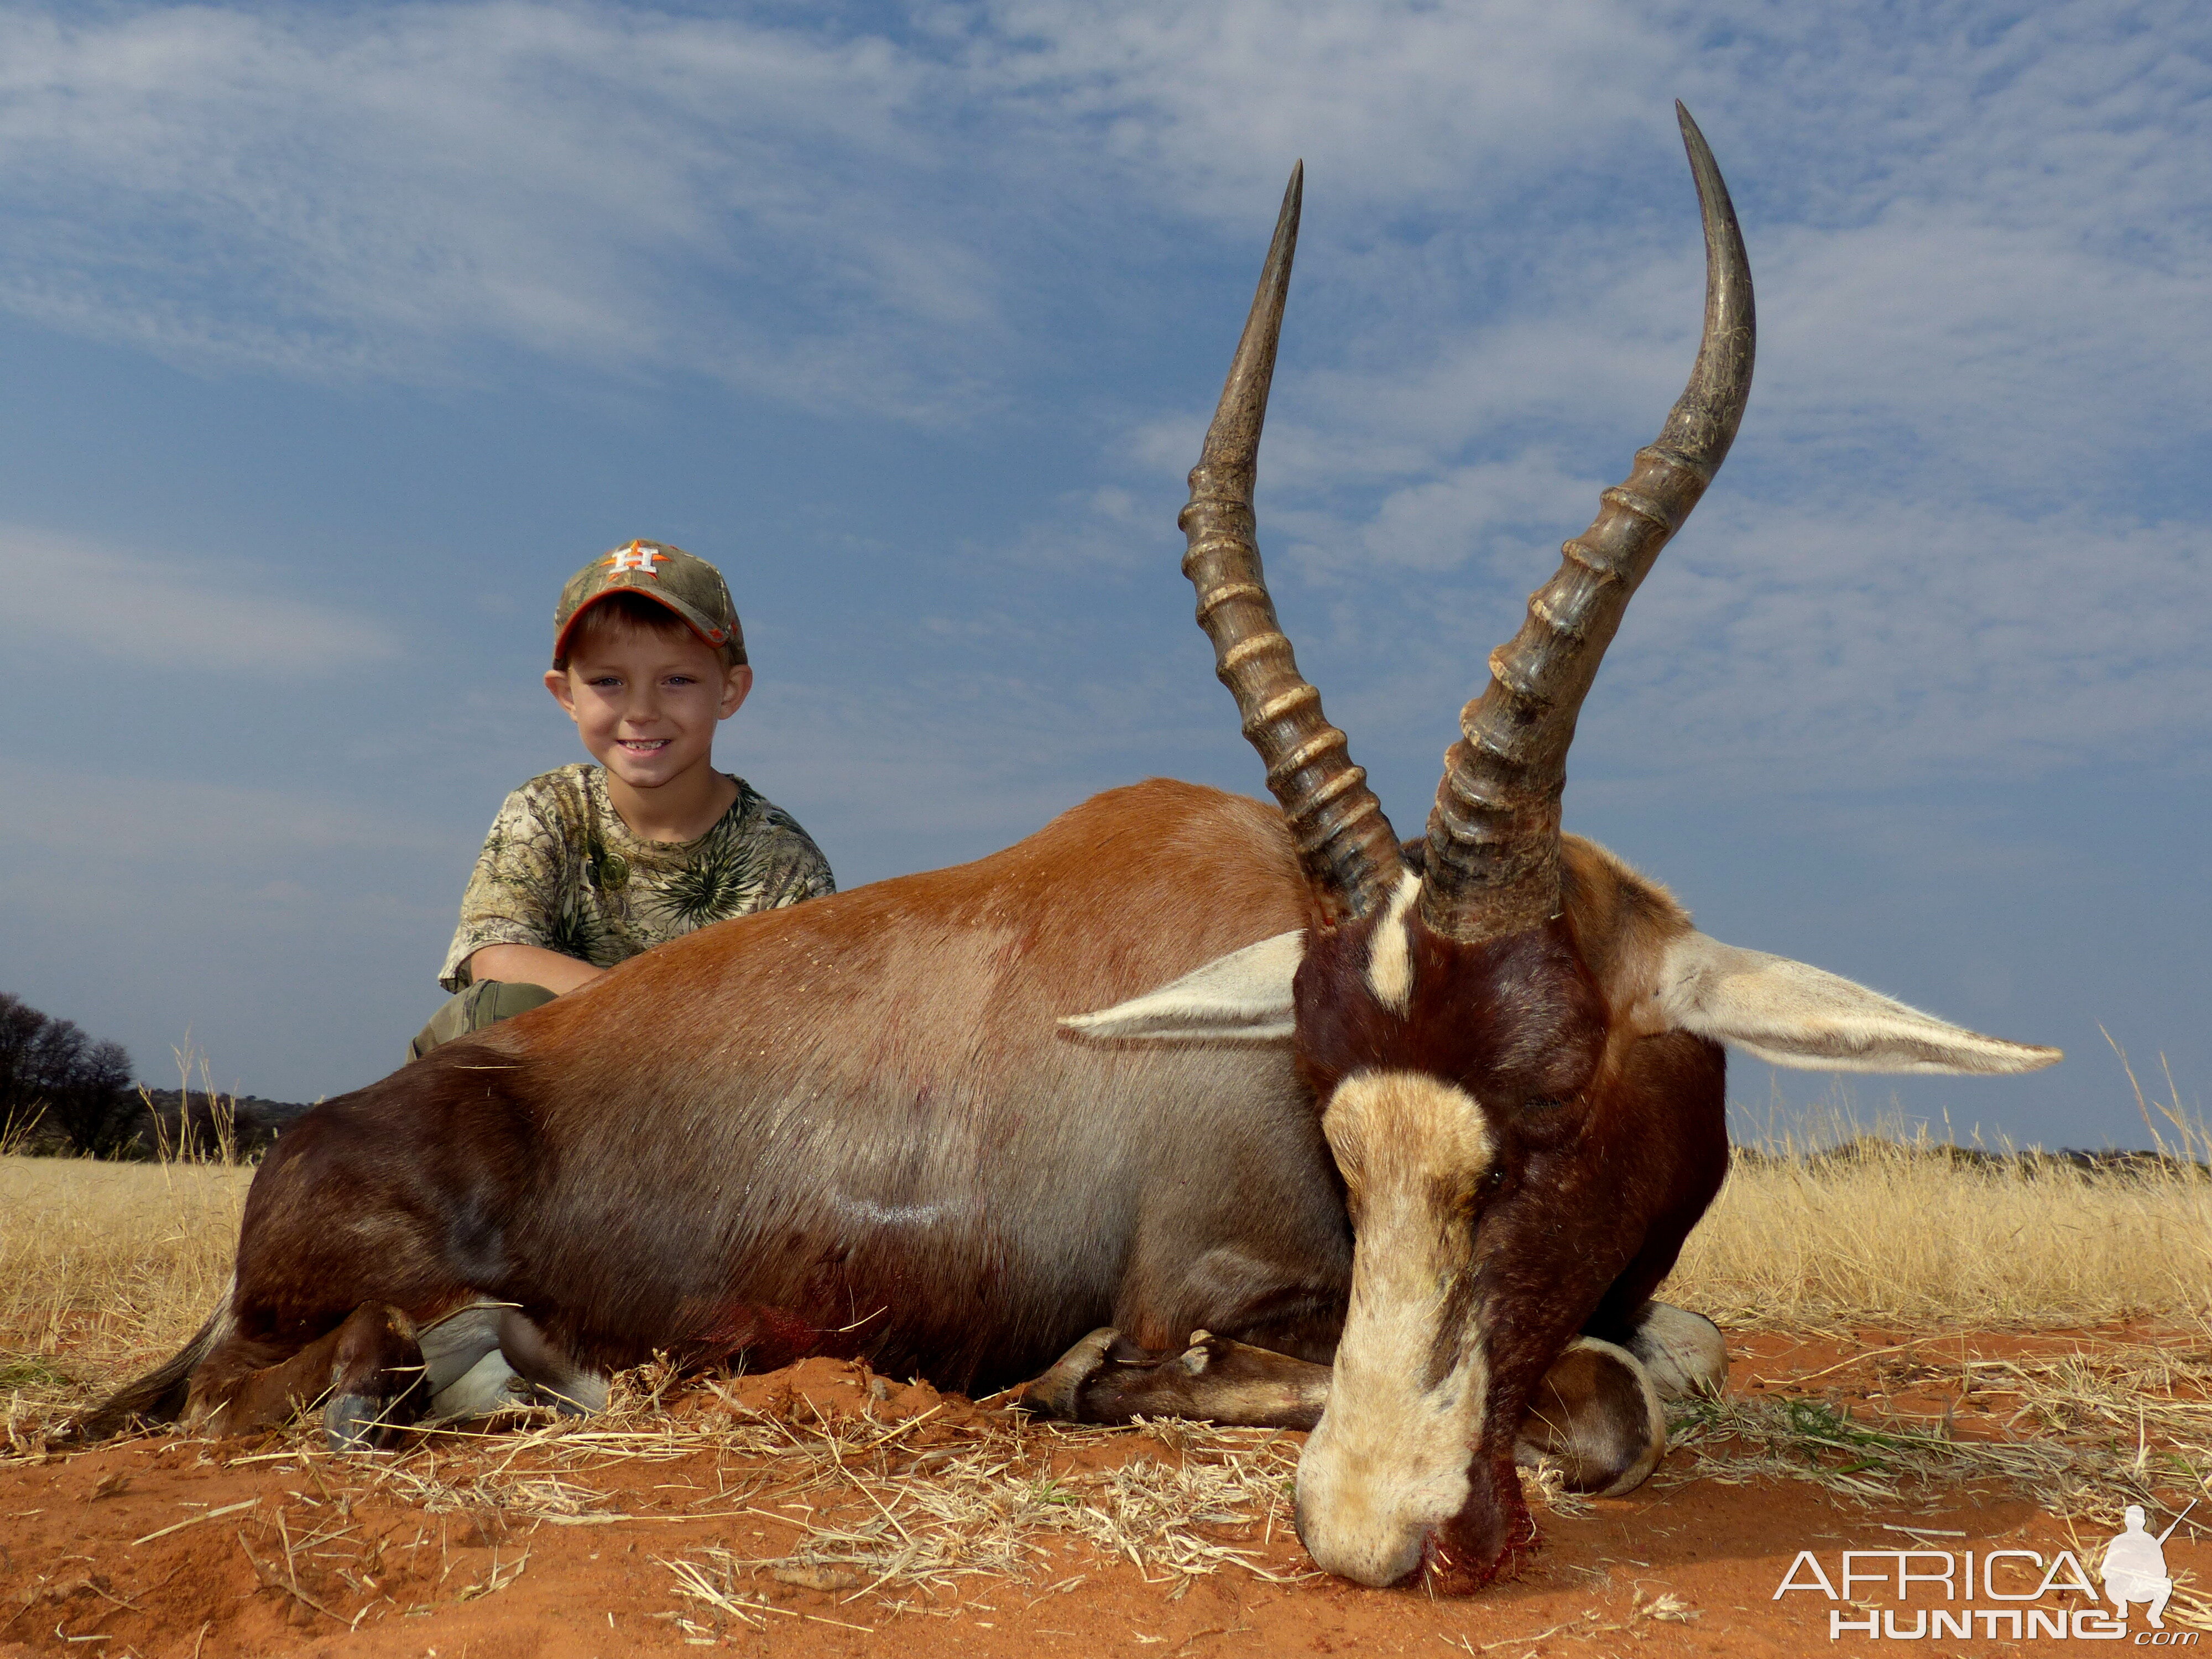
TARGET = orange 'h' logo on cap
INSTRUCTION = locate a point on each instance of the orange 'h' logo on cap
(636, 556)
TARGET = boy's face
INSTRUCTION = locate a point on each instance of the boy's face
(646, 703)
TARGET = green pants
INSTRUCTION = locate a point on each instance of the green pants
(487, 1002)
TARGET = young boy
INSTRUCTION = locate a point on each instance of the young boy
(590, 865)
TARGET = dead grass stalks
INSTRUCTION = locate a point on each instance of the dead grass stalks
(996, 1497)
(2080, 1435)
(1891, 1225)
(103, 1264)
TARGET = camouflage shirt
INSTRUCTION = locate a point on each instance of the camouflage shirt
(562, 870)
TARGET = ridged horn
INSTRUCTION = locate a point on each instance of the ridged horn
(1493, 838)
(1350, 854)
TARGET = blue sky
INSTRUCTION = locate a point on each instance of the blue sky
(334, 337)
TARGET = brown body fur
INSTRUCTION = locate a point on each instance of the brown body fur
(848, 1127)
(854, 1127)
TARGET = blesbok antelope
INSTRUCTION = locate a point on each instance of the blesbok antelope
(1302, 1127)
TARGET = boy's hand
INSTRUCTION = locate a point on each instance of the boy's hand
(528, 965)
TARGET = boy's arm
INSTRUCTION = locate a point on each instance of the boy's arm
(512, 912)
(532, 965)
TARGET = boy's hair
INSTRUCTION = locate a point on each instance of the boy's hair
(633, 612)
(654, 587)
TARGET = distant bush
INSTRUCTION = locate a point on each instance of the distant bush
(203, 1125)
(54, 1078)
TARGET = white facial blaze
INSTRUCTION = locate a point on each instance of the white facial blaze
(1388, 1459)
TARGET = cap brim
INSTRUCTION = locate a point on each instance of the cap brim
(703, 629)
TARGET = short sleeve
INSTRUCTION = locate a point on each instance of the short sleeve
(513, 894)
(796, 870)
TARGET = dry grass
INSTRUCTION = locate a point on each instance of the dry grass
(996, 1494)
(2080, 1435)
(1899, 1229)
(106, 1266)
(917, 1509)
(1007, 1500)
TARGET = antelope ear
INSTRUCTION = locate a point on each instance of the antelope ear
(1243, 997)
(1791, 1014)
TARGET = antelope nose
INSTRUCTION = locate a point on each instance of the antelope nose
(1373, 1555)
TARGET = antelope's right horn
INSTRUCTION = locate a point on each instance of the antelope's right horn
(1494, 839)
(1345, 844)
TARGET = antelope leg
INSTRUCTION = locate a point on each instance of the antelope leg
(366, 1375)
(1597, 1413)
(1104, 1379)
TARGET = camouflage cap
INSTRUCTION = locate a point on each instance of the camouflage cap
(689, 587)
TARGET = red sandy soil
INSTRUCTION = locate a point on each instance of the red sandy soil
(267, 1547)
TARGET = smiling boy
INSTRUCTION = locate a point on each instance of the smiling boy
(587, 866)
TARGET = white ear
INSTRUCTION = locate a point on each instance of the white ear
(1790, 1014)
(1243, 997)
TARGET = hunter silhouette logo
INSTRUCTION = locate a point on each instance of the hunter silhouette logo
(2133, 1567)
(2009, 1593)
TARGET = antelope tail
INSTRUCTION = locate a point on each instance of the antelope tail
(158, 1396)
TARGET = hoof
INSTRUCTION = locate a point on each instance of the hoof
(356, 1423)
(582, 1395)
(488, 1387)
(492, 1386)
(1059, 1392)
(1598, 1415)
(1685, 1353)
(376, 1379)
(552, 1374)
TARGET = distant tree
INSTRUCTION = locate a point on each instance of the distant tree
(51, 1071)
(21, 1026)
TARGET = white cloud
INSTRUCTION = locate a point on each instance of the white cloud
(1835, 638)
(1957, 543)
(1955, 539)
(809, 211)
(375, 189)
(838, 217)
(166, 613)
(1907, 643)
(1393, 104)
(1983, 248)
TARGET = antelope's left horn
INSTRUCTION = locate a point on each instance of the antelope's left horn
(1350, 854)
(1493, 838)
